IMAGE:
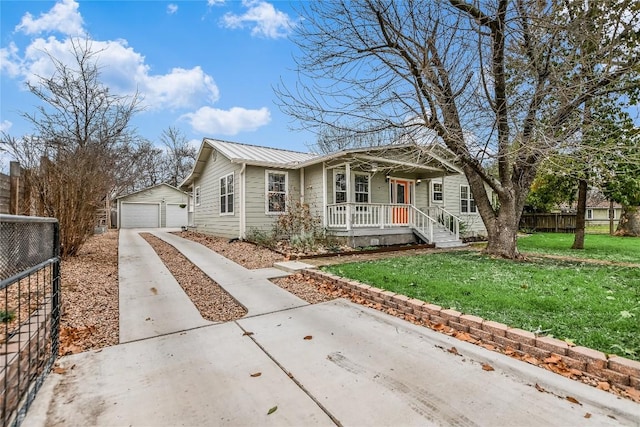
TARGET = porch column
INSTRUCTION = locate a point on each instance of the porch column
(324, 195)
(347, 173)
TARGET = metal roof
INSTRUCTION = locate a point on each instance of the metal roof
(256, 155)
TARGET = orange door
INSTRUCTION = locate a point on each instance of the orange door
(400, 195)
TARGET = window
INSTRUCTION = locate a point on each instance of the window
(609, 214)
(196, 196)
(340, 186)
(467, 204)
(362, 188)
(589, 213)
(276, 191)
(226, 195)
(436, 191)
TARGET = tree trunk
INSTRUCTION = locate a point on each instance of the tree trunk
(611, 218)
(629, 224)
(502, 232)
(578, 241)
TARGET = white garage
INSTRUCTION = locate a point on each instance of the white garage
(140, 215)
(159, 206)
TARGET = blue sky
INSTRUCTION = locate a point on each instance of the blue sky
(205, 67)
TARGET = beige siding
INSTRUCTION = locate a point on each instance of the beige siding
(256, 206)
(313, 189)
(207, 217)
(162, 194)
(451, 195)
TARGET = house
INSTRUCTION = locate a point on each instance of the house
(598, 206)
(158, 206)
(383, 195)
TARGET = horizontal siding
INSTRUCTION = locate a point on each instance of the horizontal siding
(207, 218)
(313, 189)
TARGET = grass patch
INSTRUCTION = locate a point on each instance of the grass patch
(596, 306)
(596, 246)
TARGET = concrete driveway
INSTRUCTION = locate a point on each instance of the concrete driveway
(335, 363)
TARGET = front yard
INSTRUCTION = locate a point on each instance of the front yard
(595, 305)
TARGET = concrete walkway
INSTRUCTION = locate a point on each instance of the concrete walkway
(332, 363)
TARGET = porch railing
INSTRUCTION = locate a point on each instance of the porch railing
(347, 216)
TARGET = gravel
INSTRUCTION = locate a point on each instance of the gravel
(209, 298)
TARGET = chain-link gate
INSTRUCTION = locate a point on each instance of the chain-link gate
(29, 310)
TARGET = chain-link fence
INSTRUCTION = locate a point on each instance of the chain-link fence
(29, 310)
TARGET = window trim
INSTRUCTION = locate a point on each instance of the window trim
(355, 187)
(469, 199)
(227, 194)
(433, 192)
(589, 214)
(196, 195)
(267, 172)
(335, 191)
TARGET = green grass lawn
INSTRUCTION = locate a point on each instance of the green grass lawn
(596, 306)
(596, 246)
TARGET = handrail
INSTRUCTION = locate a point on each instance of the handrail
(449, 221)
(422, 222)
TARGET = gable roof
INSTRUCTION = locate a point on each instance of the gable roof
(409, 156)
(153, 186)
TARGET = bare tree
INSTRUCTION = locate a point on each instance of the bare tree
(76, 149)
(179, 156)
(499, 81)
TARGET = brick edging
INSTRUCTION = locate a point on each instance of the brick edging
(616, 370)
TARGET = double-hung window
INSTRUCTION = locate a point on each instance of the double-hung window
(226, 195)
(362, 188)
(467, 204)
(436, 192)
(340, 187)
(276, 190)
(196, 196)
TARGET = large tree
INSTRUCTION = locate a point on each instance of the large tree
(80, 139)
(179, 156)
(501, 82)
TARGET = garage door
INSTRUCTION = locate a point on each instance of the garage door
(140, 215)
(176, 216)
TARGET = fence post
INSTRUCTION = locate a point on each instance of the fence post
(14, 188)
(55, 298)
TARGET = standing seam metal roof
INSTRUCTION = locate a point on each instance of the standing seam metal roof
(253, 153)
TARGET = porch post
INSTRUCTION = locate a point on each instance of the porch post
(347, 173)
(324, 195)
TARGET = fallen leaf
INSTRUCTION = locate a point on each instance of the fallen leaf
(531, 359)
(272, 410)
(540, 388)
(59, 370)
(633, 393)
(554, 358)
(487, 367)
(308, 337)
(247, 334)
(453, 350)
(573, 400)
(587, 415)
(603, 385)
(256, 374)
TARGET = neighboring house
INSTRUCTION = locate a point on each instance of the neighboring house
(159, 206)
(597, 212)
(373, 196)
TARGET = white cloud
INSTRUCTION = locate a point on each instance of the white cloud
(172, 8)
(266, 20)
(211, 121)
(5, 125)
(215, 2)
(180, 88)
(63, 17)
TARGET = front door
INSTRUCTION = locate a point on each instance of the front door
(401, 194)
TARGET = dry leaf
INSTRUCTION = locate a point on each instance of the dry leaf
(487, 367)
(531, 359)
(587, 415)
(272, 410)
(554, 358)
(573, 400)
(603, 385)
(633, 393)
(247, 334)
(59, 370)
(256, 374)
(308, 337)
(453, 350)
(540, 388)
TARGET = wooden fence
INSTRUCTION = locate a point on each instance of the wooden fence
(14, 195)
(549, 222)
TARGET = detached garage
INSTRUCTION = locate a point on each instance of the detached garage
(159, 206)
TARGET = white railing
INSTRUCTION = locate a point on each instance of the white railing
(347, 216)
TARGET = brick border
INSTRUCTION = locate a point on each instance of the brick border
(615, 370)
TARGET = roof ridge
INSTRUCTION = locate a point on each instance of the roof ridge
(260, 146)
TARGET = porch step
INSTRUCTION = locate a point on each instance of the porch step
(450, 244)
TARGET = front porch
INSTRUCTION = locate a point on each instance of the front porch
(374, 224)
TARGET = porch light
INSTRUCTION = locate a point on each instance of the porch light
(418, 181)
(374, 167)
(387, 178)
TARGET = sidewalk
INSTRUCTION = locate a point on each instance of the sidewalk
(332, 363)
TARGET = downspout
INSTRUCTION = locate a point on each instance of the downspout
(243, 186)
(324, 195)
(302, 186)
